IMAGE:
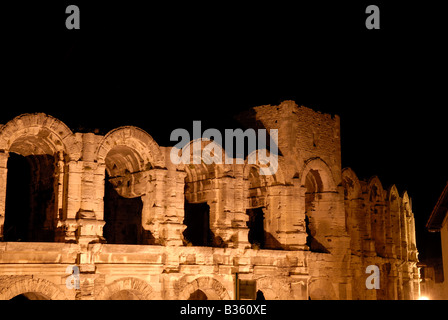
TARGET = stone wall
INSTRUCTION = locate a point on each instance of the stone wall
(307, 232)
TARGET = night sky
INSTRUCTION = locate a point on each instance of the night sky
(160, 67)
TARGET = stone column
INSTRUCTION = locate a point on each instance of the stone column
(99, 187)
(73, 198)
(153, 204)
(92, 192)
(413, 253)
(169, 195)
(239, 218)
(85, 192)
(368, 245)
(171, 220)
(60, 198)
(226, 220)
(287, 208)
(3, 182)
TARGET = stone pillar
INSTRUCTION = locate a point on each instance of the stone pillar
(240, 217)
(3, 182)
(99, 187)
(240, 238)
(87, 271)
(368, 245)
(74, 175)
(85, 192)
(232, 225)
(227, 222)
(92, 191)
(171, 224)
(413, 253)
(416, 279)
(169, 201)
(287, 207)
(60, 201)
(153, 204)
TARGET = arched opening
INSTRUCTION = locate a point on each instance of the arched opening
(256, 209)
(354, 216)
(377, 216)
(260, 296)
(198, 295)
(124, 295)
(29, 296)
(210, 287)
(123, 217)
(197, 207)
(314, 188)
(17, 204)
(46, 143)
(257, 237)
(128, 288)
(30, 196)
(197, 220)
(124, 185)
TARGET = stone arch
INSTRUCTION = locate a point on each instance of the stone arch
(268, 167)
(393, 231)
(36, 134)
(275, 288)
(375, 191)
(211, 287)
(46, 143)
(199, 174)
(39, 286)
(354, 214)
(392, 194)
(351, 184)
(406, 204)
(256, 189)
(259, 187)
(203, 151)
(138, 288)
(203, 186)
(377, 212)
(131, 148)
(199, 181)
(127, 156)
(319, 190)
(317, 165)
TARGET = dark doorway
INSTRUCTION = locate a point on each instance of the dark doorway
(29, 296)
(198, 295)
(260, 296)
(123, 217)
(30, 198)
(257, 236)
(313, 212)
(197, 220)
(17, 204)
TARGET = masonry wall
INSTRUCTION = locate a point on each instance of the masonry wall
(321, 225)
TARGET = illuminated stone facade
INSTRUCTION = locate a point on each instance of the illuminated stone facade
(139, 227)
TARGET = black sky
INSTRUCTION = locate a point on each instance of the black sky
(162, 66)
